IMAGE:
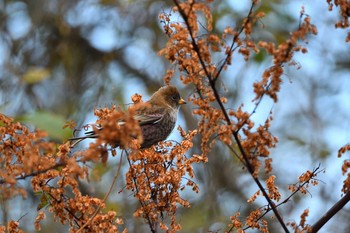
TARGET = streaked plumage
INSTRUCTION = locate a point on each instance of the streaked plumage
(157, 117)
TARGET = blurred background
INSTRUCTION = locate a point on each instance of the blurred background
(61, 59)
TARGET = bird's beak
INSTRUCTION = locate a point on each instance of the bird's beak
(181, 101)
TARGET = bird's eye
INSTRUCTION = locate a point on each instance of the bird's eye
(174, 97)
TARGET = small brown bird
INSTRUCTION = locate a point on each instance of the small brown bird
(157, 117)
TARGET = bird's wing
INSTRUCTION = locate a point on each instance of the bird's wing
(147, 115)
(146, 119)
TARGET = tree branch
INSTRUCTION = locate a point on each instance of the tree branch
(330, 213)
(227, 118)
(22, 177)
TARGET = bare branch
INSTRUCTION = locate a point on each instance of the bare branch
(330, 213)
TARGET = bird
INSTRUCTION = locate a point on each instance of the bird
(157, 117)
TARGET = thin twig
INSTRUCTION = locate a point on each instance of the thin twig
(234, 41)
(313, 174)
(76, 219)
(235, 153)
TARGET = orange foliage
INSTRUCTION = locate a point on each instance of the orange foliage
(344, 10)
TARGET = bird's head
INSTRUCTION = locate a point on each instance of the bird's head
(168, 96)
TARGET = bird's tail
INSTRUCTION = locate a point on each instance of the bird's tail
(75, 140)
